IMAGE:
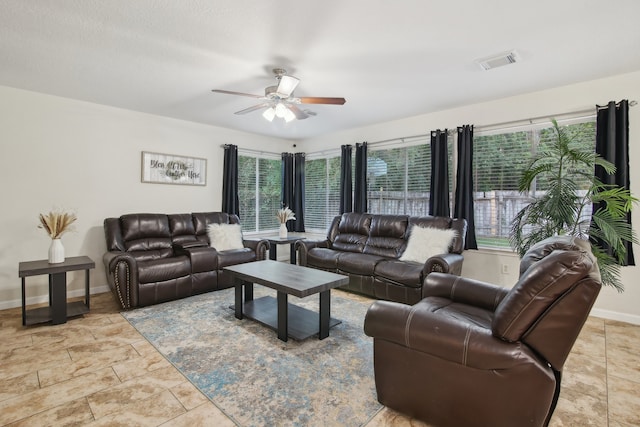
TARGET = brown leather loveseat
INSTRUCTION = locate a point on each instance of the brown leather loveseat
(153, 258)
(476, 354)
(369, 249)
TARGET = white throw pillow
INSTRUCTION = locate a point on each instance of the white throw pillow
(223, 237)
(425, 242)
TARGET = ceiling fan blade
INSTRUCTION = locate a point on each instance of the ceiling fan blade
(230, 92)
(254, 108)
(320, 100)
(300, 115)
(286, 86)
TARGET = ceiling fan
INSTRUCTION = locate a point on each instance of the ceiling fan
(279, 100)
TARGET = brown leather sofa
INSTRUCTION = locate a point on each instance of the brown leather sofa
(153, 258)
(367, 248)
(475, 354)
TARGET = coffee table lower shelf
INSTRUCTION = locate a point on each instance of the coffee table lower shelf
(303, 323)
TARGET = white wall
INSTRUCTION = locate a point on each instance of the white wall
(85, 157)
(486, 265)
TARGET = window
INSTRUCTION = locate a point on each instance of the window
(259, 191)
(322, 192)
(498, 161)
(399, 180)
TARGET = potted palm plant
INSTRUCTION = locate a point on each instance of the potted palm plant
(564, 168)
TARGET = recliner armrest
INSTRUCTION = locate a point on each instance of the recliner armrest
(258, 246)
(463, 290)
(418, 328)
(444, 263)
(304, 246)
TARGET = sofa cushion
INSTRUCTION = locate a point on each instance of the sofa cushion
(182, 228)
(323, 258)
(353, 232)
(408, 273)
(235, 256)
(362, 264)
(223, 237)
(387, 235)
(160, 270)
(425, 242)
(145, 232)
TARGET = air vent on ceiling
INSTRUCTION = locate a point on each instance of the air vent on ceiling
(498, 60)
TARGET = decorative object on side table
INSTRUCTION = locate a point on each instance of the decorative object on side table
(56, 223)
(285, 214)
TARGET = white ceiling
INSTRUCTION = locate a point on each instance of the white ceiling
(388, 59)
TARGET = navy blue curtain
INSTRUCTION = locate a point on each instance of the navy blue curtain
(287, 184)
(346, 191)
(612, 144)
(298, 192)
(463, 207)
(360, 190)
(230, 199)
(439, 197)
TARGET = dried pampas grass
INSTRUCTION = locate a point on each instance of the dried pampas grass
(57, 223)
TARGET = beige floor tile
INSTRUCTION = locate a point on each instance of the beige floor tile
(16, 386)
(585, 374)
(74, 413)
(11, 342)
(155, 410)
(624, 401)
(25, 405)
(31, 360)
(144, 347)
(82, 351)
(99, 359)
(388, 417)
(579, 409)
(140, 365)
(86, 364)
(188, 395)
(206, 414)
(110, 400)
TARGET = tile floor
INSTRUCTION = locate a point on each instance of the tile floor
(98, 370)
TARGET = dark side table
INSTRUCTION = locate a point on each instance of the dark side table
(59, 309)
(275, 241)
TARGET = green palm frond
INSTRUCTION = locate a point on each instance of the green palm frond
(571, 189)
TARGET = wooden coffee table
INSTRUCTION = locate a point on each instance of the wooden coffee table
(287, 319)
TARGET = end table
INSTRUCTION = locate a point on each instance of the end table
(59, 309)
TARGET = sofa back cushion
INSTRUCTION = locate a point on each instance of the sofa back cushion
(387, 235)
(146, 236)
(182, 228)
(353, 232)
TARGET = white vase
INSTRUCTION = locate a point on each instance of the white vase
(56, 252)
(283, 231)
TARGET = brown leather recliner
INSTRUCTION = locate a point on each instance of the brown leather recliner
(475, 354)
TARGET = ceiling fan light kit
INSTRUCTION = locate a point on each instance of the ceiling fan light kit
(279, 100)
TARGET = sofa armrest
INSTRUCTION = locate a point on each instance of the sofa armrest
(444, 263)
(463, 290)
(180, 247)
(420, 329)
(304, 246)
(122, 275)
(203, 257)
(259, 247)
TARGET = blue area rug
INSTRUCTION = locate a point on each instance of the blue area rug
(258, 380)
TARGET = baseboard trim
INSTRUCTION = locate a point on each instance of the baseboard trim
(615, 315)
(45, 298)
